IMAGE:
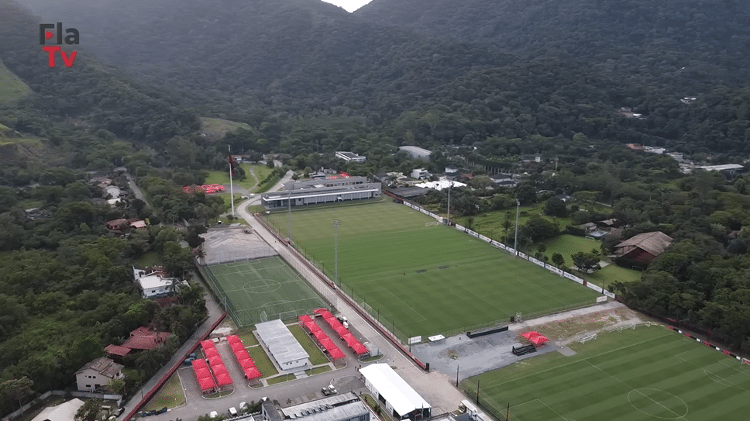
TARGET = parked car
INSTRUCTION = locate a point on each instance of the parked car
(213, 414)
(329, 390)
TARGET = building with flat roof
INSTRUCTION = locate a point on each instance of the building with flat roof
(400, 400)
(282, 345)
(310, 192)
(350, 156)
(724, 167)
(416, 152)
(344, 407)
(153, 284)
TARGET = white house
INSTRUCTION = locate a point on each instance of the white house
(420, 173)
(97, 374)
(153, 284)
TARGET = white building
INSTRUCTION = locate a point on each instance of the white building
(416, 152)
(153, 284)
(401, 401)
(441, 184)
(350, 156)
(66, 411)
(420, 173)
(97, 374)
(343, 407)
(310, 192)
(283, 346)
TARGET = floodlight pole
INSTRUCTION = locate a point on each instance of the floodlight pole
(518, 209)
(449, 202)
(336, 223)
(231, 185)
(289, 216)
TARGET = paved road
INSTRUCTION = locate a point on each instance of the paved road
(136, 190)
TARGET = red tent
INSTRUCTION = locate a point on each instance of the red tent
(247, 363)
(223, 379)
(236, 346)
(241, 354)
(320, 335)
(535, 337)
(341, 330)
(311, 326)
(206, 383)
(215, 361)
(200, 363)
(321, 311)
(305, 318)
(233, 339)
(211, 353)
(207, 344)
(529, 334)
(252, 373)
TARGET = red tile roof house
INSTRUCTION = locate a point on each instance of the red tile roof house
(144, 338)
(643, 247)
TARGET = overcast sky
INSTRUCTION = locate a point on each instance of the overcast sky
(349, 5)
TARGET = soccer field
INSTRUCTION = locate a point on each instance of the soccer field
(260, 288)
(642, 374)
(422, 278)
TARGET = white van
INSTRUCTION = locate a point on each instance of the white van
(233, 412)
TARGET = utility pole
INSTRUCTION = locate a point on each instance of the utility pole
(336, 223)
(518, 209)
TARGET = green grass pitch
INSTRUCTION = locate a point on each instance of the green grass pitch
(642, 374)
(423, 277)
(268, 284)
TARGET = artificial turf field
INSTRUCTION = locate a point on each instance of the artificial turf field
(255, 286)
(646, 373)
(422, 278)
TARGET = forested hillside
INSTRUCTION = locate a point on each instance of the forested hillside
(441, 72)
(696, 42)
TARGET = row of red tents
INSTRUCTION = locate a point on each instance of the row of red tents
(344, 334)
(206, 188)
(535, 337)
(205, 379)
(323, 339)
(247, 364)
(216, 363)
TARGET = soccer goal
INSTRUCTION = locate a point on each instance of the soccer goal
(587, 338)
(263, 316)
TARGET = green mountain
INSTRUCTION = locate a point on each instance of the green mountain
(12, 88)
(693, 40)
(88, 92)
(436, 72)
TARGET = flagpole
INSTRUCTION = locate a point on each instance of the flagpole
(231, 185)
